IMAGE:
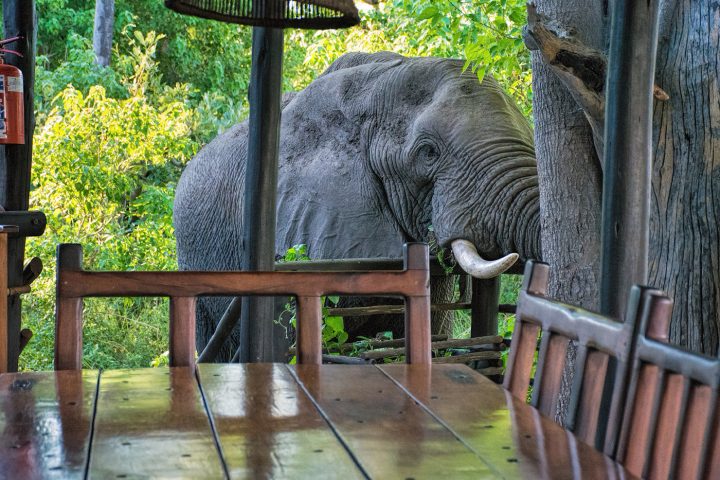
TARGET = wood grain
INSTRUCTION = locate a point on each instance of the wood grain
(668, 420)
(267, 427)
(4, 344)
(510, 436)
(309, 330)
(187, 284)
(152, 423)
(182, 331)
(73, 284)
(633, 448)
(390, 435)
(45, 422)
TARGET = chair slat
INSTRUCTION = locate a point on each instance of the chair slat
(668, 419)
(692, 445)
(548, 387)
(584, 417)
(684, 442)
(600, 369)
(634, 450)
(520, 359)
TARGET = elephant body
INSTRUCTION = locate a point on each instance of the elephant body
(379, 150)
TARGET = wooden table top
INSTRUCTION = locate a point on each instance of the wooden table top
(278, 421)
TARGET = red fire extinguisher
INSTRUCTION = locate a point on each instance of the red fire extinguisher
(12, 112)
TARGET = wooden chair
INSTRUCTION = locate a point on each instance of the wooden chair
(603, 350)
(670, 429)
(74, 283)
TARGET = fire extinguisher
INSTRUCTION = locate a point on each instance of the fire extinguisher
(12, 112)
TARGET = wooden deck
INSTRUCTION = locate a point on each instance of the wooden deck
(278, 421)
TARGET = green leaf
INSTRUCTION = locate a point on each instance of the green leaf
(335, 323)
(428, 13)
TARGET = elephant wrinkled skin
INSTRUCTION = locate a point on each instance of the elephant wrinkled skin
(379, 150)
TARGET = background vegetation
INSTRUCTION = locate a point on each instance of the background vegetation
(111, 142)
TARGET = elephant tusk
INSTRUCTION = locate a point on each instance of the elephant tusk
(467, 256)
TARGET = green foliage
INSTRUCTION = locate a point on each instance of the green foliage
(111, 142)
(487, 33)
(333, 327)
(104, 174)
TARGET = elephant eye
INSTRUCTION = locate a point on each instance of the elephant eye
(426, 152)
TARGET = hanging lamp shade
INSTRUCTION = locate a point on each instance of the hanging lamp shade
(311, 14)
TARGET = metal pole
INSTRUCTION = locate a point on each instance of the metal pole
(16, 160)
(256, 321)
(628, 156)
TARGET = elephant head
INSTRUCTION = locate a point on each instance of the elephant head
(379, 150)
(420, 144)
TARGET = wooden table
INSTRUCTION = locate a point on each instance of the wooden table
(278, 421)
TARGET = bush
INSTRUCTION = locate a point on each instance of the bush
(104, 174)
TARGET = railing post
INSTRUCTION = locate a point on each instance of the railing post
(68, 312)
(417, 309)
(485, 303)
(182, 331)
(309, 331)
(4, 325)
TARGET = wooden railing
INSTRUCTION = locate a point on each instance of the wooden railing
(74, 283)
(484, 302)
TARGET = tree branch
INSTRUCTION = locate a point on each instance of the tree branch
(581, 69)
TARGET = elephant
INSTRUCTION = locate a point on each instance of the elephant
(379, 150)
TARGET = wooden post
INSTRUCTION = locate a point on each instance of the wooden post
(257, 315)
(628, 155)
(16, 160)
(309, 331)
(485, 303)
(4, 341)
(182, 331)
(68, 312)
(417, 309)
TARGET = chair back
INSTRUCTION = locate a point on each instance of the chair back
(670, 427)
(74, 284)
(599, 371)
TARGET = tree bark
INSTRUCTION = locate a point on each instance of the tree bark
(569, 171)
(684, 234)
(103, 31)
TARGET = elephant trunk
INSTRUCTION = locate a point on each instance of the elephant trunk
(502, 222)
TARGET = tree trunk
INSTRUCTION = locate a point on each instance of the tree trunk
(570, 175)
(103, 31)
(685, 235)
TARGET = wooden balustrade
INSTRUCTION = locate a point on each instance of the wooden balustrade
(74, 283)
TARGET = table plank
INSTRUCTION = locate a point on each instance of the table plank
(512, 437)
(45, 422)
(152, 423)
(388, 433)
(267, 427)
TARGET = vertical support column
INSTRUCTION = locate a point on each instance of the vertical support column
(309, 331)
(485, 303)
(182, 331)
(257, 313)
(628, 155)
(417, 308)
(68, 311)
(4, 340)
(16, 160)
